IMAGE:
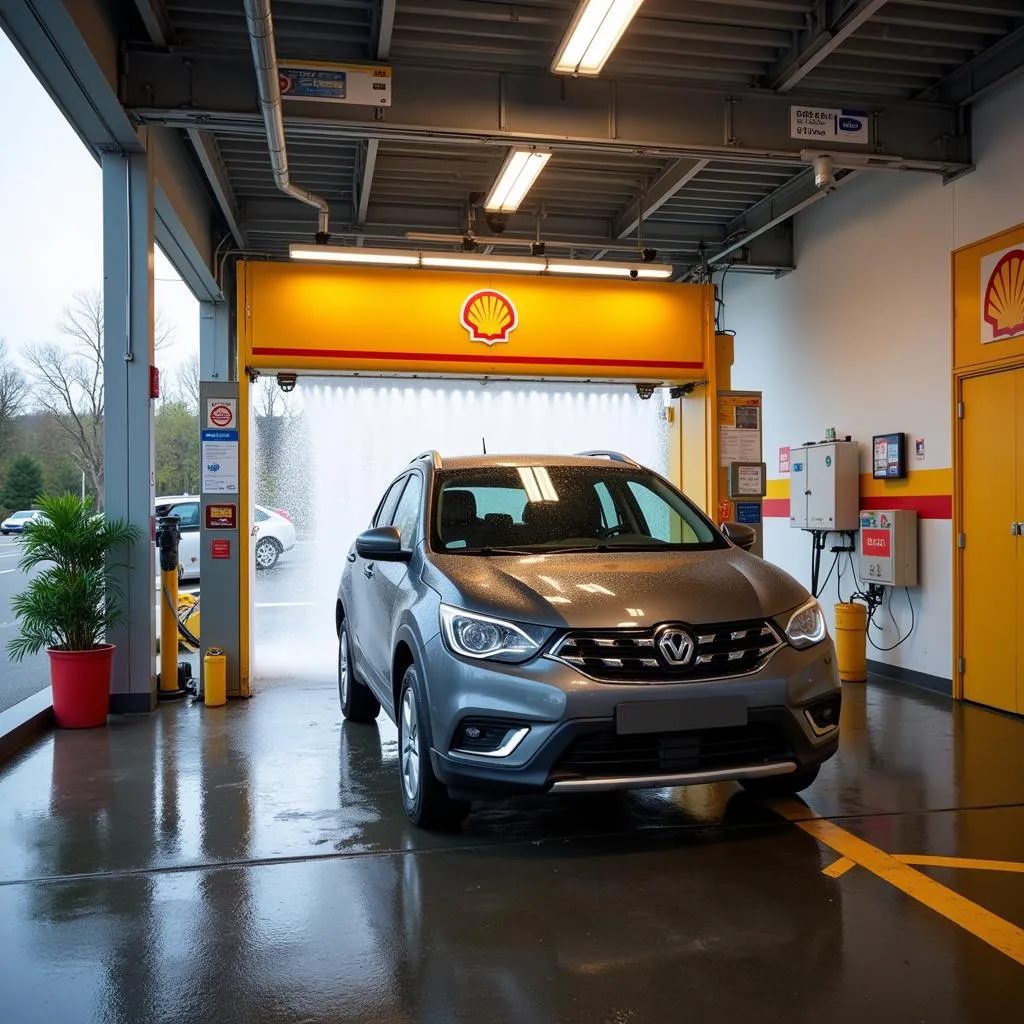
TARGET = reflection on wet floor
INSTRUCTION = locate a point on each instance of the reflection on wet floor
(252, 863)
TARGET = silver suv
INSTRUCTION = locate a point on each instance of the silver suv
(544, 623)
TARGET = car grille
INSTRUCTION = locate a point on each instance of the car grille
(724, 649)
(605, 753)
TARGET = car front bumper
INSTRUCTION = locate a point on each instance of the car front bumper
(572, 742)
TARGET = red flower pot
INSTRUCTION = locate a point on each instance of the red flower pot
(81, 687)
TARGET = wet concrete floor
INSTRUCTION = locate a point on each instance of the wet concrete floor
(252, 863)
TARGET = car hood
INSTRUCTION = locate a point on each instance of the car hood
(617, 589)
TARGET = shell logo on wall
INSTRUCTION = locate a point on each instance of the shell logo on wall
(489, 317)
(1002, 300)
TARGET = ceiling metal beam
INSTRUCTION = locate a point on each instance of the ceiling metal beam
(489, 108)
(157, 23)
(661, 190)
(212, 163)
(814, 46)
(990, 69)
(385, 30)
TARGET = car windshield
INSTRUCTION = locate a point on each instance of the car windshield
(510, 509)
(23, 515)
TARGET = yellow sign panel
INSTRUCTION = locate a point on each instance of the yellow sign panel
(360, 320)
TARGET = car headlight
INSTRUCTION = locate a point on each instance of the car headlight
(480, 636)
(806, 625)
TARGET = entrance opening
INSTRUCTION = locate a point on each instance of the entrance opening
(326, 452)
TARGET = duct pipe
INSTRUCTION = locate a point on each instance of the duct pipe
(261, 35)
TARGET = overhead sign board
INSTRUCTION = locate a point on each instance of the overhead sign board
(362, 85)
(828, 124)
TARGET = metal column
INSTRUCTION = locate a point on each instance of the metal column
(128, 414)
(220, 547)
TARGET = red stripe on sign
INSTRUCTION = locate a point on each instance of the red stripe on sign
(440, 357)
(927, 506)
(775, 508)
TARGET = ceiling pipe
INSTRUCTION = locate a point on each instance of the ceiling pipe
(264, 55)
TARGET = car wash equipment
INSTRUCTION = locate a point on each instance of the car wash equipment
(215, 678)
(168, 537)
(851, 642)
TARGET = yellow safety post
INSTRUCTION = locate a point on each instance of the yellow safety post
(851, 642)
(215, 678)
(168, 537)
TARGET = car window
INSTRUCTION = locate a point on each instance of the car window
(545, 508)
(407, 513)
(187, 513)
(261, 516)
(387, 505)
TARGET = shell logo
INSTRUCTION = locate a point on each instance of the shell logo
(489, 317)
(1003, 307)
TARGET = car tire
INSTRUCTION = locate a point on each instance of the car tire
(358, 703)
(424, 797)
(268, 551)
(782, 785)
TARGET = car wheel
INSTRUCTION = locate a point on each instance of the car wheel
(781, 785)
(425, 799)
(268, 551)
(358, 703)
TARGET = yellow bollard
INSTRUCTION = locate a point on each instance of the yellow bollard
(851, 642)
(169, 631)
(215, 678)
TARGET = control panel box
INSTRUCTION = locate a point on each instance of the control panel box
(824, 486)
(888, 547)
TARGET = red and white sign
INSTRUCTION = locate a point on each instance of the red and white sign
(783, 460)
(876, 543)
(222, 414)
(220, 548)
(1002, 295)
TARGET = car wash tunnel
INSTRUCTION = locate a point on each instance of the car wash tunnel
(604, 598)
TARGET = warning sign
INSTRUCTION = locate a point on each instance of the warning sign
(222, 413)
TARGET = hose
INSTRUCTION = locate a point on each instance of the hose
(183, 630)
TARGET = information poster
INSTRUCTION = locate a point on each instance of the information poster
(220, 461)
(739, 427)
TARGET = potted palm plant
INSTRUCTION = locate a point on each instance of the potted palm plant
(70, 603)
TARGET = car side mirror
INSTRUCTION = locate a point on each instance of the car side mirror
(382, 544)
(742, 536)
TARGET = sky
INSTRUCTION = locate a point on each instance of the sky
(51, 212)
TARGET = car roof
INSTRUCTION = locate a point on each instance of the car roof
(491, 461)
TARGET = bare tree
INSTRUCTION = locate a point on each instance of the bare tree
(69, 379)
(271, 403)
(13, 389)
(186, 384)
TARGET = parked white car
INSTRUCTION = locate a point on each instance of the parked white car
(17, 521)
(274, 533)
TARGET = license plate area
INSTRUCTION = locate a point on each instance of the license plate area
(692, 713)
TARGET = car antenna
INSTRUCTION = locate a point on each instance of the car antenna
(483, 441)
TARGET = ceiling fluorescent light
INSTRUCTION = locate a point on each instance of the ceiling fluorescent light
(484, 263)
(354, 254)
(515, 179)
(593, 33)
(637, 271)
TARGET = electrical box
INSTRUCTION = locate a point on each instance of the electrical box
(824, 486)
(888, 547)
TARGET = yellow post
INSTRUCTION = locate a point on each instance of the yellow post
(215, 678)
(851, 642)
(169, 630)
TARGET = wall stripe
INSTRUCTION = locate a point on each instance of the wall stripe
(928, 492)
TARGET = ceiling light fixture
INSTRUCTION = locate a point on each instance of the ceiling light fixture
(478, 262)
(515, 179)
(593, 33)
(512, 263)
(354, 254)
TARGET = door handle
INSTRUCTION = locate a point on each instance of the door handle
(368, 571)
(1017, 529)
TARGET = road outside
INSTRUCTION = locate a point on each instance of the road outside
(291, 632)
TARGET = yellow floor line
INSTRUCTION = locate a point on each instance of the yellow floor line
(927, 861)
(1000, 934)
(838, 868)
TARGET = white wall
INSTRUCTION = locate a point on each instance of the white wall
(858, 338)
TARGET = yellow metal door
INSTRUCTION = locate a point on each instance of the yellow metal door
(991, 557)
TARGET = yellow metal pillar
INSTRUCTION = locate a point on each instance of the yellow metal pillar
(725, 352)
